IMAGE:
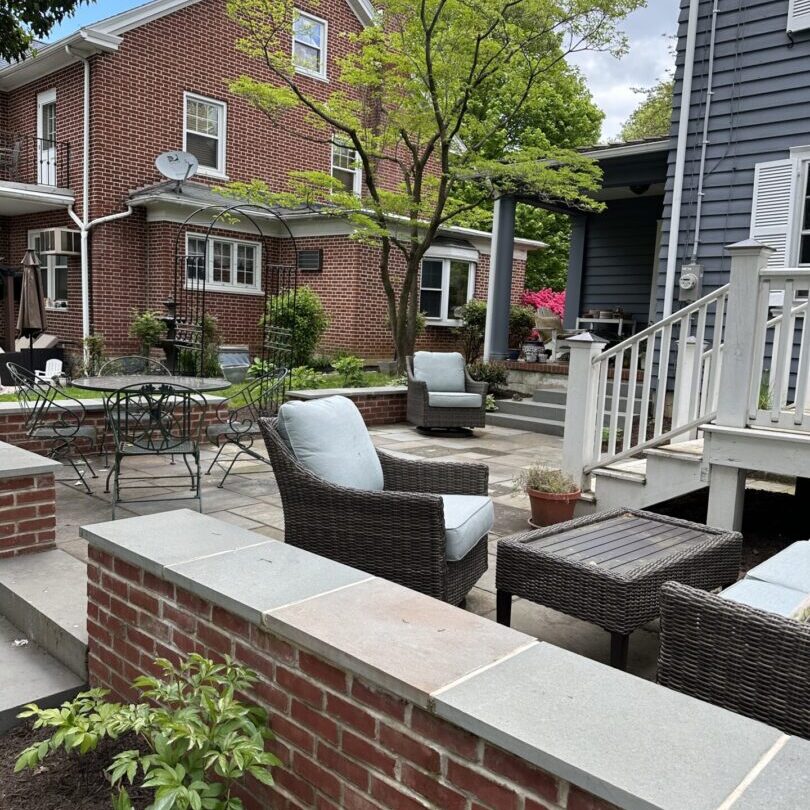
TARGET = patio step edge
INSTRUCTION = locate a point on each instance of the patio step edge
(528, 423)
(45, 596)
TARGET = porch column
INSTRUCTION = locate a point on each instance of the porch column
(576, 264)
(499, 297)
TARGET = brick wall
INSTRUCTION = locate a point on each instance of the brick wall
(27, 514)
(387, 408)
(343, 742)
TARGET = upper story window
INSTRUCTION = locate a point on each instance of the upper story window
(204, 133)
(309, 44)
(229, 265)
(447, 282)
(46, 138)
(345, 167)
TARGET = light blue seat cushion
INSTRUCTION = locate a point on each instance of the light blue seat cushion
(329, 438)
(766, 596)
(440, 371)
(790, 568)
(467, 518)
(453, 399)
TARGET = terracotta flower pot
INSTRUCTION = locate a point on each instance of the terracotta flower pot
(549, 508)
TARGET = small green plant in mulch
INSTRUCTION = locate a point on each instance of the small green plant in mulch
(149, 328)
(491, 405)
(544, 479)
(350, 370)
(200, 740)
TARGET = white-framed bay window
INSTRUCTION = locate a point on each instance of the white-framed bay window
(205, 123)
(447, 282)
(309, 40)
(345, 167)
(228, 265)
(53, 268)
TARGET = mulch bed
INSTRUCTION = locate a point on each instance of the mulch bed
(63, 781)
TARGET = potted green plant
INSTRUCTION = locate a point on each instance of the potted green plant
(552, 494)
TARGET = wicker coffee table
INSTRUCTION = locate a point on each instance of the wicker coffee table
(608, 568)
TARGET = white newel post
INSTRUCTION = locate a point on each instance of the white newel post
(727, 484)
(580, 407)
(684, 382)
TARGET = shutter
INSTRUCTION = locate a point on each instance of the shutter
(798, 16)
(772, 207)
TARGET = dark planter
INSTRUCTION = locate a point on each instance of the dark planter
(549, 508)
(513, 354)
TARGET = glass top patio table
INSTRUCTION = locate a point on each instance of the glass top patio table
(115, 382)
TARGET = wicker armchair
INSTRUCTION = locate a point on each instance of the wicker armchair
(421, 414)
(746, 660)
(397, 534)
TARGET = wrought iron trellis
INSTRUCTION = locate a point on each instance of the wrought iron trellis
(188, 308)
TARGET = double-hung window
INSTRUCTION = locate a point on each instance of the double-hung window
(204, 128)
(53, 268)
(447, 283)
(227, 265)
(345, 167)
(309, 44)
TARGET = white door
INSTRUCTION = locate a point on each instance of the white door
(46, 138)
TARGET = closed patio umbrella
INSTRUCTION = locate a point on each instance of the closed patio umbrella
(31, 317)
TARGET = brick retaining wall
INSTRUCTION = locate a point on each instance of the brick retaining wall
(378, 406)
(27, 514)
(343, 742)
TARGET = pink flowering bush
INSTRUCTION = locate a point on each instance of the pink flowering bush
(547, 298)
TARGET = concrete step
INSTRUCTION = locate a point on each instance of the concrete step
(30, 675)
(550, 396)
(537, 410)
(529, 423)
(45, 597)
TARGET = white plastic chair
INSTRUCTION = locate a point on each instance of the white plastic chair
(53, 370)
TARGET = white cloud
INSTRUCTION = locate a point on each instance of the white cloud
(649, 31)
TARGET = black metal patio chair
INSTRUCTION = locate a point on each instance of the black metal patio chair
(155, 419)
(238, 418)
(60, 423)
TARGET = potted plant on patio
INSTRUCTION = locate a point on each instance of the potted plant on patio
(552, 494)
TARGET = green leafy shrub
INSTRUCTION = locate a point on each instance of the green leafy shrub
(200, 738)
(492, 373)
(304, 378)
(321, 362)
(93, 356)
(471, 332)
(148, 328)
(189, 359)
(350, 369)
(521, 325)
(307, 321)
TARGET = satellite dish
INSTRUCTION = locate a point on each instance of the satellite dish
(177, 165)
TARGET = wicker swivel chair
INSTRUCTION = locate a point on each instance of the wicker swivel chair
(441, 393)
(402, 530)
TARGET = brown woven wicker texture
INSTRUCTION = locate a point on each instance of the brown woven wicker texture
(420, 414)
(608, 568)
(743, 659)
(397, 534)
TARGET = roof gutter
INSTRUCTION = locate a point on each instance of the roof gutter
(680, 158)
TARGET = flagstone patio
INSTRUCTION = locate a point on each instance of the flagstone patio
(250, 499)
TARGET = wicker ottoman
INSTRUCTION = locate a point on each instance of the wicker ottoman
(608, 568)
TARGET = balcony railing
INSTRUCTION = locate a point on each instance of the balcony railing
(37, 161)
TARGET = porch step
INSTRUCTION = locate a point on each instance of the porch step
(529, 423)
(30, 675)
(45, 597)
(537, 410)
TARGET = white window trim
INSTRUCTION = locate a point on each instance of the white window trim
(207, 171)
(357, 185)
(447, 255)
(50, 275)
(233, 286)
(321, 74)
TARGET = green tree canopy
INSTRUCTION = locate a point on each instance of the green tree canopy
(653, 115)
(431, 96)
(23, 21)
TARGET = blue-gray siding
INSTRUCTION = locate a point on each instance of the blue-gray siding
(760, 109)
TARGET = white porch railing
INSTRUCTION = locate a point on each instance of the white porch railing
(780, 378)
(624, 389)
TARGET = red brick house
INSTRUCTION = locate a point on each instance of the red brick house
(134, 85)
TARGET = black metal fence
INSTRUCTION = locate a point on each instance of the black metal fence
(27, 159)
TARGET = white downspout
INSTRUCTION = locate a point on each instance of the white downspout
(84, 223)
(680, 158)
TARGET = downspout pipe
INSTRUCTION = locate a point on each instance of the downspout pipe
(84, 223)
(680, 158)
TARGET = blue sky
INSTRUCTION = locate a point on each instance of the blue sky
(611, 80)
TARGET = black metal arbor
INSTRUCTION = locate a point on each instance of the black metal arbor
(188, 342)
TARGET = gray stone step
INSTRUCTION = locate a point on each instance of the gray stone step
(550, 396)
(537, 410)
(45, 597)
(30, 675)
(532, 424)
